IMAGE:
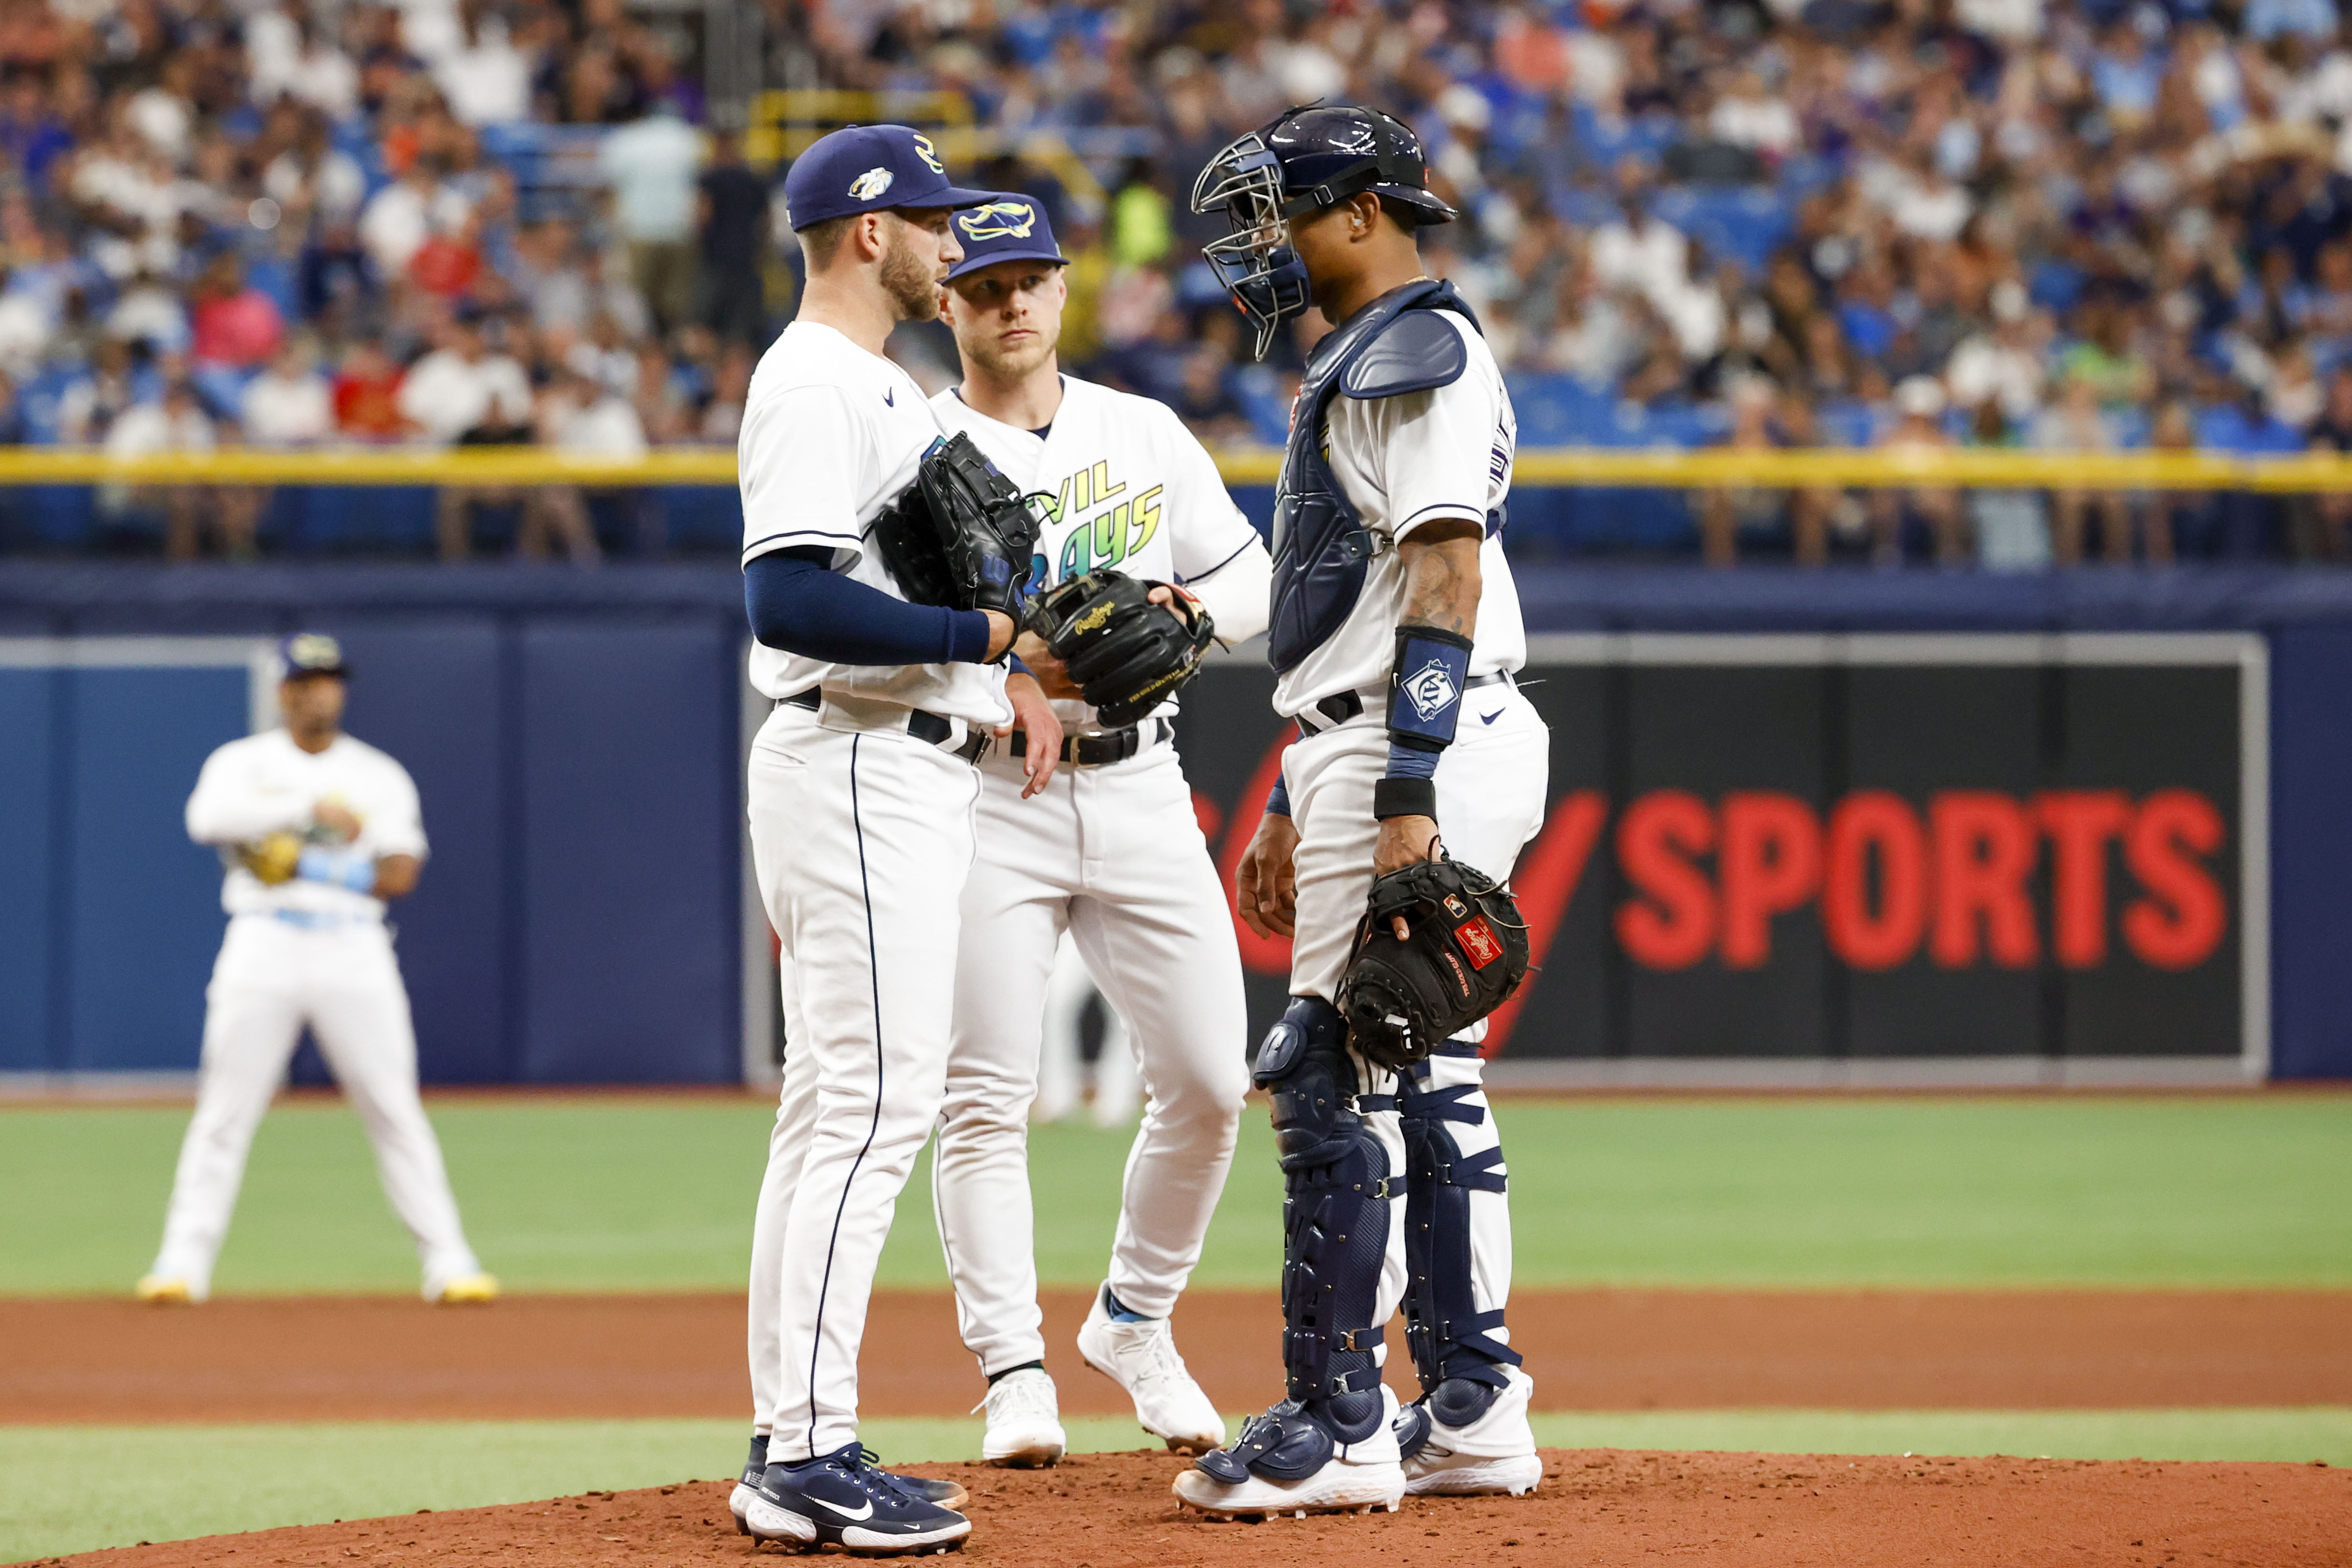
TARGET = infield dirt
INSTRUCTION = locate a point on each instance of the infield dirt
(1595, 1510)
(359, 1358)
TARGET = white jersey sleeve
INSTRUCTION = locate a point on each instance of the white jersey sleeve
(1218, 555)
(803, 458)
(397, 825)
(236, 802)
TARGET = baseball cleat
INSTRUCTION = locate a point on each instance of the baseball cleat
(1471, 1439)
(1286, 1461)
(946, 1494)
(1024, 1421)
(1142, 1358)
(843, 1499)
(468, 1291)
(165, 1290)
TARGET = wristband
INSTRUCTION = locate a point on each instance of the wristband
(1425, 686)
(1277, 800)
(337, 868)
(1404, 798)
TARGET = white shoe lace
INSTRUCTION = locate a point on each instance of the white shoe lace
(1147, 1352)
(1025, 1396)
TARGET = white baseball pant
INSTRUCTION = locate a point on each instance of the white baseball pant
(1061, 1063)
(1114, 856)
(861, 838)
(1490, 801)
(341, 979)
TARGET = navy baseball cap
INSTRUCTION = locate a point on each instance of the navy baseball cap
(1008, 226)
(311, 654)
(865, 168)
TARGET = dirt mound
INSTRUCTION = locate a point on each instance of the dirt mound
(1595, 1509)
(262, 1359)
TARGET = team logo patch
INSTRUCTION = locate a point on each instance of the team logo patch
(1431, 690)
(314, 650)
(923, 150)
(998, 220)
(1479, 943)
(870, 184)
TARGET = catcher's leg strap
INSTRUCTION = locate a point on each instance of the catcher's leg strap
(1335, 1223)
(1448, 1336)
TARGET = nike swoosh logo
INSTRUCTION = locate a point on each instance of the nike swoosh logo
(889, 399)
(1490, 717)
(865, 1512)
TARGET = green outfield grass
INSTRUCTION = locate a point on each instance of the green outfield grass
(657, 1194)
(67, 1486)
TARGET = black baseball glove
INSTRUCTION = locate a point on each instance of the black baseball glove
(1127, 653)
(961, 534)
(1464, 953)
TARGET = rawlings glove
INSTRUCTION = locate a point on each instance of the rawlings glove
(273, 860)
(1127, 653)
(1464, 952)
(961, 535)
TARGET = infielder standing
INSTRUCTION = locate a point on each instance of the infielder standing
(1111, 852)
(319, 832)
(1395, 630)
(862, 800)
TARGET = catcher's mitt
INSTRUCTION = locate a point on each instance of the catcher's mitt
(1465, 953)
(1127, 653)
(274, 859)
(961, 534)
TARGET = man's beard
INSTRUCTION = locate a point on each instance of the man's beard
(1010, 364)
(912, 282)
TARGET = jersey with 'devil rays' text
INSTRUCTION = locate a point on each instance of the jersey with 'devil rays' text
(830, 435)
(1404, 462)
(1126, 488)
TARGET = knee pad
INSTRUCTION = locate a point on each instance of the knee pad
(1335, 1218)
(1451, 1342)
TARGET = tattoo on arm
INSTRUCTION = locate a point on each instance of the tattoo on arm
(1442, 578)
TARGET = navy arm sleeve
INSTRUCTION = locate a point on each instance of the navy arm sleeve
(798, 603)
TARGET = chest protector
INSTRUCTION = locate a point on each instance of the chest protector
(1393, 346)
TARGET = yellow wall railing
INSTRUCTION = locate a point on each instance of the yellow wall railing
(1536, 469)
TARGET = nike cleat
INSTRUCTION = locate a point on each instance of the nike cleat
(843, 1499)
(946, 1494)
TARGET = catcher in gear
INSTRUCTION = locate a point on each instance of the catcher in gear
(1394, 630)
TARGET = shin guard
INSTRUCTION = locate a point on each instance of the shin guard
(1460, 1362)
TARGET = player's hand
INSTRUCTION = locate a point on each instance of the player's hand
(337, 819)
(1053, 675)
(1033, 716)
(1177, 598)
(1001, 633)
(1266, 886)
(1403, 842)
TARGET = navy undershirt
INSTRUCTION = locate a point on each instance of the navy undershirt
(799, 603)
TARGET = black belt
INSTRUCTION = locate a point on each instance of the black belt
(926, 727)
(1345, 705)
(1099, 751)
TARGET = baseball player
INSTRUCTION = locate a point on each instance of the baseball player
(1395, 630)
(1111, 852)
(863, 804)
(319, 832)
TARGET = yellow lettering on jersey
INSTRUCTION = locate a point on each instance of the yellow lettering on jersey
(1111, 536)
(1104, 489)
(1147, 520)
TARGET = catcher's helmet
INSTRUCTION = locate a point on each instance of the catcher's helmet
(1303, 162)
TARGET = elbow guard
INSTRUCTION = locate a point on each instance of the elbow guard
(1433, 667)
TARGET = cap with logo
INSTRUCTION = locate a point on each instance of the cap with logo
(865, 168)
(311, 654)
(1008, 226)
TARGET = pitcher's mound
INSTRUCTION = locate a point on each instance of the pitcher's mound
(1595, 1509)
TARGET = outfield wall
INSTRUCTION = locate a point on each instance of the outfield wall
(577, 739)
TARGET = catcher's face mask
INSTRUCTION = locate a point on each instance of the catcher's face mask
(1256, 262)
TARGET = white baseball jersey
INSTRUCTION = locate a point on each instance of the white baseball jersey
(1132, 489)
(266, 784)
(1403, 462)
(830, 435)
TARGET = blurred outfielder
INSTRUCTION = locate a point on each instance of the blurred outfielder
(318, 832)
(1110, 853)
(1395, 630)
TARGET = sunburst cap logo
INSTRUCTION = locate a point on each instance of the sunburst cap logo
(870, 184)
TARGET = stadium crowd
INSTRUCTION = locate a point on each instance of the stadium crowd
(2093, 224)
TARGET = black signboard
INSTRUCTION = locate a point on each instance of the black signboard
(1988, 847)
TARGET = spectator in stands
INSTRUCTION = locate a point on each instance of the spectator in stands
(580, 417)
(465, 395)
(1726, 514)
(1920, 402)
(2078, 423)
(2328, 522)
(651, 166)
(177, 424)
(290, 404)
(401, 217)
(366, 394)
(2013, 527)
(233, 326)
(731, 215)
